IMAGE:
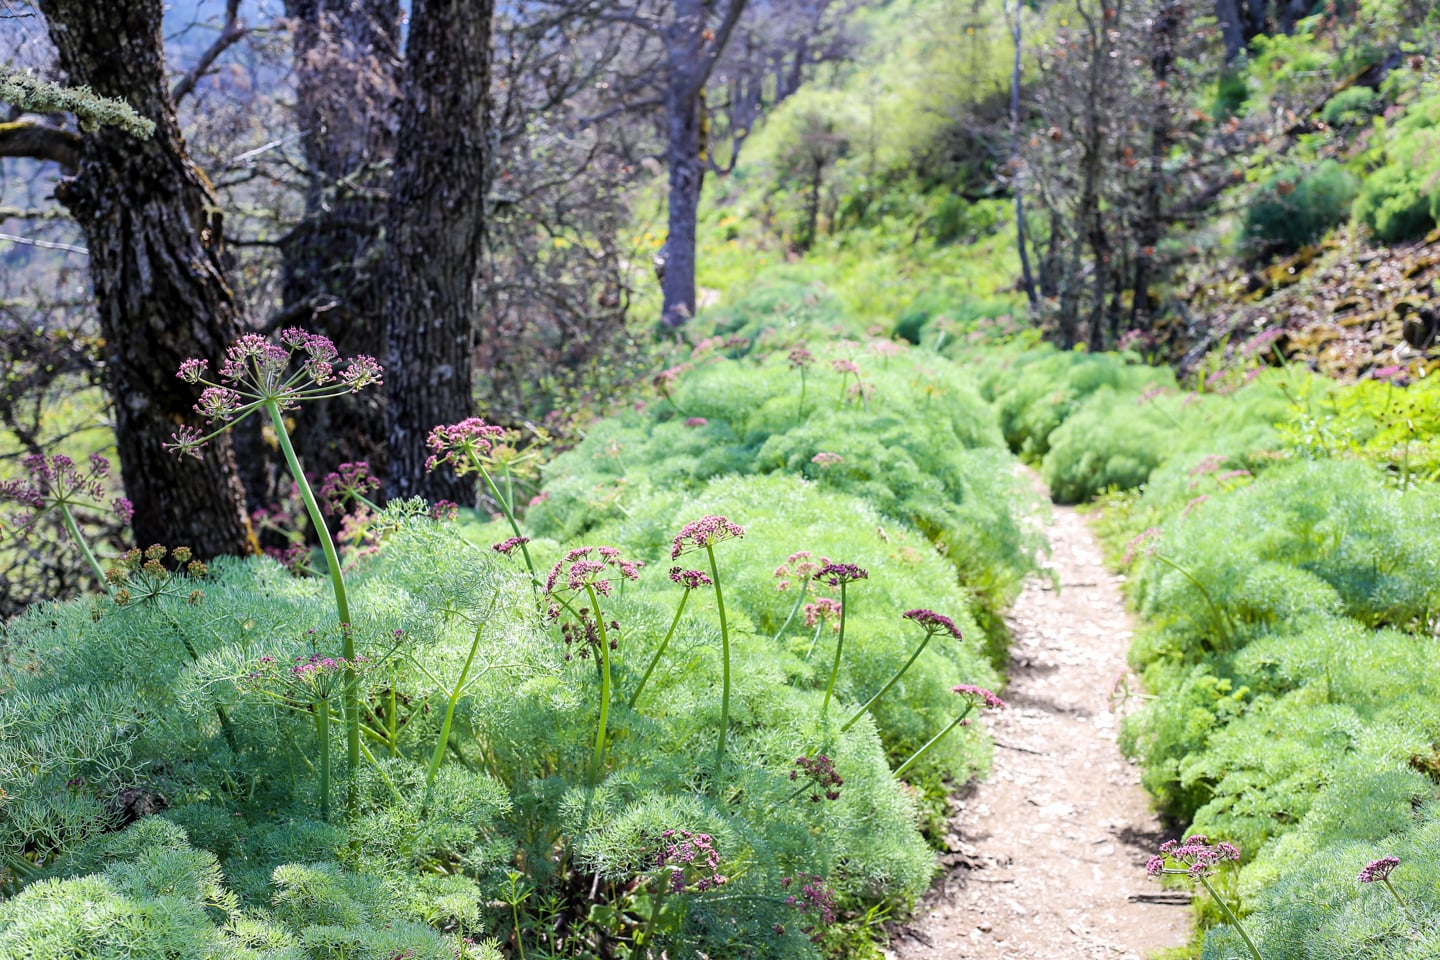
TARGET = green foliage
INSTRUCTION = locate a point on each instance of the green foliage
(1296, 206)
(1400, 197)
(1351, 105)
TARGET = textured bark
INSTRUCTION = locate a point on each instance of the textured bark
(436, 227)
(154, 235)
(346, 62)
(691, 48)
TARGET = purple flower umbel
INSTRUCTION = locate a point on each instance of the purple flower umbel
(1378, 870)
(836, 574)
(583, 566)
(457, 443)
(1197, 856)
(979, 696)
(934, 623)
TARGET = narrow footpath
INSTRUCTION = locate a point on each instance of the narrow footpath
(1047, 856)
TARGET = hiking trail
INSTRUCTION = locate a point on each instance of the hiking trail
(1047, 855)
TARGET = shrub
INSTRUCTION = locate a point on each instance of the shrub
(1296, 206)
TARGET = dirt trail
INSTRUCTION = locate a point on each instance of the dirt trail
(1048, 854)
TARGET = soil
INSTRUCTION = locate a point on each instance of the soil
(1047, 856)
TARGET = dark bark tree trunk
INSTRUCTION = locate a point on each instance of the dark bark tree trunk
(156, 263)
(1164, 35)
(1027, 279)
(346, 61)
(435, 231)
(691, 48)
(1232, 27)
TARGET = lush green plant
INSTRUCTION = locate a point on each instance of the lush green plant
(1296, 206)
(1399, 199)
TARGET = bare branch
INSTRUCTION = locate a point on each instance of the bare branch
(232, 33)
(40, 141)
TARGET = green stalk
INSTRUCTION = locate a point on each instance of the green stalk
(1230, 916)
(900, 771)
(635, 697)
(598, 760)
(509, 511)
(890, 683)
(1396, 894)
(804, 588)
(801, 412)
(725, 655)
(841, 405)
(73, 529)
(439, 752)
(322, 734)
(342, 603)
(839, 647)
(1221, 621)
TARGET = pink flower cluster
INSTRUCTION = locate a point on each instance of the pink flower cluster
(823, 610)
(583, 566)
(704, 533)
(815, 901)
(838, 573)
(348, 484)
(820, 771)
(692, 860)
(825, 460)
(1196, 854)
(509, 545)
(979, 696)
(800, 358)
(690, 579)
(57, 479)
(460, 444)
(1378, 869)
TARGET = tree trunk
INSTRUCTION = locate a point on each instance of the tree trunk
(1232, 27)
(436, 228)
(1164, 34)
(346, 60)
(1027, 279)
(156, 264)
(691, 49)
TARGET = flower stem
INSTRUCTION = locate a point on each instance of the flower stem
(804, 588)
(508, 509)
(635, 697)
(801, 412)
(1396, 894)
(839, 648)
(900, 770)
(73, 529)
(890, 683)
(322, 736)
(725, 657)
(439, 752)
(342, 603)
(598, 759)
(1230, 916)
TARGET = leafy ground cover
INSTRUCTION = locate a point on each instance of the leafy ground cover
(521, 737)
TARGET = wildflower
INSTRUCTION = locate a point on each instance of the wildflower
(1207, 466)
(823, 610)
(826, 460)
(800, 565)
(692, 861)
(257, 372)
(845, 367)
(815, 900)
(800, 358)
(820, 771)
(1196, 855)
(459, 444)
(690, 579)
(934, 622)
(583, 566)
(508, 545)
(979, 696)
(703, 533)
(349, 483)
(1378, 869)
(1260, 341)
(836, 574)
(444, 510)
(695, 422)
(1145, 540)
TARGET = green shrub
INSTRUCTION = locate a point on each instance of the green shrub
(1351, 105)
(1400, 198)
(1296, 206)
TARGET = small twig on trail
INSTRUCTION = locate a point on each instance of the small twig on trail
(1011, 746)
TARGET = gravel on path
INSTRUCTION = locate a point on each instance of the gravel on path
(1047, 856)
